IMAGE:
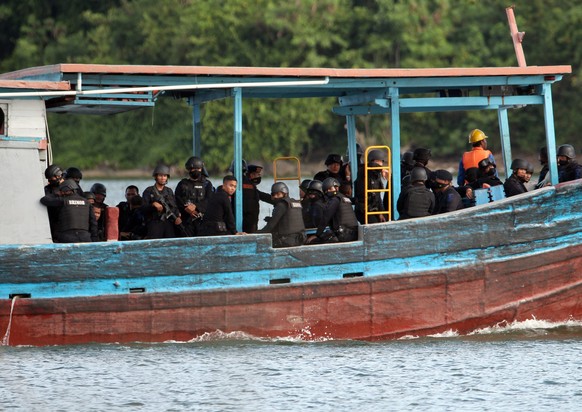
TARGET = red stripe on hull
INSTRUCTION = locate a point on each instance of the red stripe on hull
(546, 286)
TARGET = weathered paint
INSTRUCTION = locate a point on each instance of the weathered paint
(512, 260)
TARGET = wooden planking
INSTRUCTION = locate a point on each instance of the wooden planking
(27, 118)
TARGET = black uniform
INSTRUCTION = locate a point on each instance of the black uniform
(76, 220)
(160, 225)
(375, 202)
(53, 212)
(219, 217)
(513, 186)
(415, 201)
(313, 210)
(251, 207)
(135, 225)
(569, 172)
(340, 217)
(324, 174)
(197, 192)
(124, 211)
(448, 200)
(286, 224)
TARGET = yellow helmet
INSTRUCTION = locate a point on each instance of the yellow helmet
(476, 136)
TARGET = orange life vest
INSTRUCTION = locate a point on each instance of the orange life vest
(472, 158)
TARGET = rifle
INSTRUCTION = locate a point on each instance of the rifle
(168, 214)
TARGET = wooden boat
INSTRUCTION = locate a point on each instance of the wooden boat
(515, 258)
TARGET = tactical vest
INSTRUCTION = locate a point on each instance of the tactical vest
(419, 202)
(292, 222)
(74, 214)
(345, 215)
(194, 190)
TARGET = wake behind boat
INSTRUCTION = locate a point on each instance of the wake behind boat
(515, 258)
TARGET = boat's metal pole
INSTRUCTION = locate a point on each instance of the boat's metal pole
(352, 150)
(516, 36)
(550, 132)
(505, 139)
(395, 130)
(237, 94)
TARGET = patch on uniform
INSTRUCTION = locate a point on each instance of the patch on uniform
(346, 200)
(296, 205)
(76, 202)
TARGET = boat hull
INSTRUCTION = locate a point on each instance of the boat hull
(507, 261)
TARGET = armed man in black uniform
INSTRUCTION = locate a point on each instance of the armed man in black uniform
(416, 200)
(192, 194)
(338, 215)
(54, 176)
(313, 204)
(447, 197)
(76, 221)
(515, 184)
(568, 167)
(251, 198)
(160, 208)
(286, 224)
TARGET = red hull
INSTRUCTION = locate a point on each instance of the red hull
(546, 286)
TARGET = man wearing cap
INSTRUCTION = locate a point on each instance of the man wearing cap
(478, 152)
(76, 220)
(376, 158)
(446, 196)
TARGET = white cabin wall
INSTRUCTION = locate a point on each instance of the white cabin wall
(23, 154)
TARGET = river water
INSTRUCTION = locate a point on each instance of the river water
(531, 365)
(526, 366)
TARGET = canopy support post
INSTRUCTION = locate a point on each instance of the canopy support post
(550, 132)
(238, 213)
(505, 140)
(196, 129)
(395, 130)
(352, 150)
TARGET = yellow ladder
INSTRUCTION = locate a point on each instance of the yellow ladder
(387, 190)
(297, 177)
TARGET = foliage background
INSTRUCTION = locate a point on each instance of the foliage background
(293, 33)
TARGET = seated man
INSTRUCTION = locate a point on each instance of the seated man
(338, 215)
(286, 224)
(416, 200)
(447, 197)
(334, 164)
(515, 184)
(568, 167)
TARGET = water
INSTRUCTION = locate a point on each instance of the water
(528, 366)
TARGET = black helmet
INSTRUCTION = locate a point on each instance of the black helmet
(53, 171)
(567, 150)
(407, 159)
(89, 195)
(375, 155)
(483, 164)
(244, 167)
(98, 189)
(359, 152)
(329, 183)
(421, 154)
(519, 164)
(69, 185)
(73, 173)
(443, 175)
(316, 186)
(254, 168)
(194, 163)
(279, 187)
(333, 158)
(418, 174)
(530, 168)
(305, 185)
(471, 174)
(161, 170)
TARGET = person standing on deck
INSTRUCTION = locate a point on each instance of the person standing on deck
(338, 215)
(447, 197)
(75, 174)
(478, 152)
(192, 194)
(286, 224)
(568, 167)
(100, 192)
(54, 176)
(334, 164)
(251, 198)
(159, 206)
(515, 184)
(125, 208)
(76, 221)
(219, 217)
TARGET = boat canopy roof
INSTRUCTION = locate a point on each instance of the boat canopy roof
(106, 89)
